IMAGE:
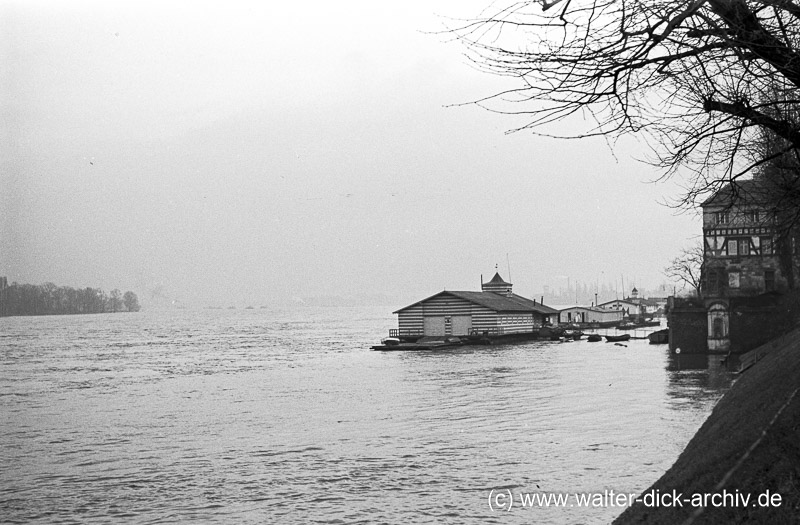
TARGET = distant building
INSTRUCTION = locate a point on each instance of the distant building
(649, 307)
(629, 307)
(589, 314)
(495, 310)
(635, 305)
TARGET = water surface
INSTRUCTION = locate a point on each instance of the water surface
(285, 415)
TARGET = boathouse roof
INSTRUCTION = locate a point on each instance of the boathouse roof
(496, 302)
(626, 301)
(586, 308)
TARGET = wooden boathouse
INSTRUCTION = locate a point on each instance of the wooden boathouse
(629, 308)
(494, 311)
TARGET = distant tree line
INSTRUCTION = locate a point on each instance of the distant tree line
(49, 299)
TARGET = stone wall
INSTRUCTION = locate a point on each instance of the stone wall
(756, 320)
(751, 270)
(752, 321)
(751, 327)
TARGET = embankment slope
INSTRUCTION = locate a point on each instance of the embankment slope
(750, 443)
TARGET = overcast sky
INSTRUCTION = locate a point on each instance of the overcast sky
(240, 152)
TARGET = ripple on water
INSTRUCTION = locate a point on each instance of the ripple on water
(252, 416)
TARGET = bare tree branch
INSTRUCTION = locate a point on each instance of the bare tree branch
(687, 268)
(701, 81)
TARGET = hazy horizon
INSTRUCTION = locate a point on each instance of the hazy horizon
(237, 153)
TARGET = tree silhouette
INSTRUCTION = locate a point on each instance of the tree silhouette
(131, 302)
(49, 299)
(687, 268)
(700, 81)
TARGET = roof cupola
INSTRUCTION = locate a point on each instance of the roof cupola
(497, 285)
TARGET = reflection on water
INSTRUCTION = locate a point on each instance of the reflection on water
(265, 416)
(697, 373)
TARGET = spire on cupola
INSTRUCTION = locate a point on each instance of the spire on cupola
(497, 285)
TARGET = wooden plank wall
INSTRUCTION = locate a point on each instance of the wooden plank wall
(410, 320)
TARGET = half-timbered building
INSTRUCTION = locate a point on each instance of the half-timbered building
(749, 273)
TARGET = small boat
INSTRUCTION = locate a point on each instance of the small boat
(651, 322)
(553, 333)
(593, 338)
(660, 337)
(617, 338)
(633, 325)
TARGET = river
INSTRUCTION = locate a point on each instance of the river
(286, 416)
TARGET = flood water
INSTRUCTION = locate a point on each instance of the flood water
(287, 416)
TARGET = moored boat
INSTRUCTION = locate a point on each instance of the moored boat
(617, 338)
(659, 337)
(593, 338)
(553, 333)
(634, 325)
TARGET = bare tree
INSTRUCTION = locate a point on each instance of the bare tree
(687, 268)
(701, 80)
